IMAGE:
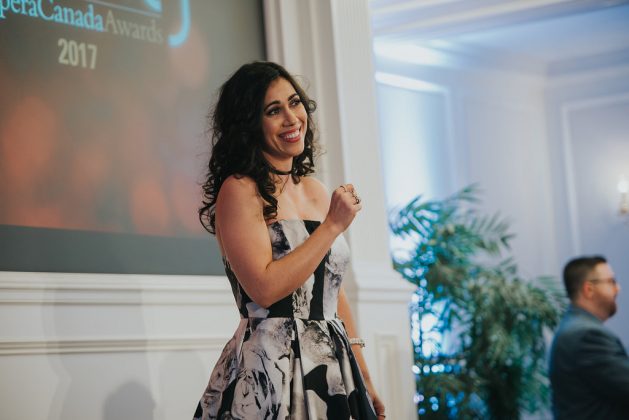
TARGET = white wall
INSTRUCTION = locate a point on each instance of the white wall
(414, 123)
(589, 126)
(84, 346)
(495, 136)
(546, 148)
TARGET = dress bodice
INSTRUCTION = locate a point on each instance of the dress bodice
(317, 298)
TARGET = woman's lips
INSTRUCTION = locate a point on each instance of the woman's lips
(292, 136)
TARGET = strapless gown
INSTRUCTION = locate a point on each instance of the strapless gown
(291, 360)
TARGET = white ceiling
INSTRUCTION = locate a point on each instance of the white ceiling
(596, 32)
(547, 31)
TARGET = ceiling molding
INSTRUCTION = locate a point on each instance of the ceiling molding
(461, 58)
(415, 20)
(589, 64)
(390, 7)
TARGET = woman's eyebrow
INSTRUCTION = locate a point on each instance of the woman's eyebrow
(278, 102)
(271, 103)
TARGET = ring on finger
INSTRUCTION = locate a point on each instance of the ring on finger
(357, 198)
(344, 189)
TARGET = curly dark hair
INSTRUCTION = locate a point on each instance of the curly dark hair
(235, 129)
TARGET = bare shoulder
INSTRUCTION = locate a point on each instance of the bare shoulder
(315, 188)
(237, 187)
(238, 195)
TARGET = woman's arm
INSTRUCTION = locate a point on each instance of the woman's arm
(244, 239)
(345, 313)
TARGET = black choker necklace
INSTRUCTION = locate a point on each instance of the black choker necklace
(278, 172)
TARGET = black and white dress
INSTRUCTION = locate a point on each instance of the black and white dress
(291, 360)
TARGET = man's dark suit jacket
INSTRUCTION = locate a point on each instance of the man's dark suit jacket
(589, 370)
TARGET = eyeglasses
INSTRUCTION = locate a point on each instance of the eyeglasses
(610, 280)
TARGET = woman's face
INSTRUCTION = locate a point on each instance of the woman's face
(284, 124)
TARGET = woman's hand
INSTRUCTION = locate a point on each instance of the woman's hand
(344, 205)
(378, 405)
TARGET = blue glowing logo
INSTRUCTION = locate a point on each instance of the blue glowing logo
(179, 38)
(154, 5)
(175, 40)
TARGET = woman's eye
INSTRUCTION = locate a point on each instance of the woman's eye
(273, 111)
(295, 102)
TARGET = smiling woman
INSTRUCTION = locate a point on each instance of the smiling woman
(284, 124)
(240, 146)
(280, 236)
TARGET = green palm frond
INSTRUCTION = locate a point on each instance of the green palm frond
(469, 285)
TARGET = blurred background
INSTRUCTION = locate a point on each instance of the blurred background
(530, 101)
(110, 290)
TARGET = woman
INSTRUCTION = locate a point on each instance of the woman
(280, 237)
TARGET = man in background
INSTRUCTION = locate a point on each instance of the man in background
(589, 367)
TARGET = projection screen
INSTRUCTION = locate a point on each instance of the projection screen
(103, 148)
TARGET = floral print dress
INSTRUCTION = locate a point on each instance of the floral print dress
(291, 360)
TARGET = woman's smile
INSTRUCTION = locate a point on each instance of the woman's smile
(291, 136)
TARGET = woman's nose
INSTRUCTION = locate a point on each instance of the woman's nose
(289, 117)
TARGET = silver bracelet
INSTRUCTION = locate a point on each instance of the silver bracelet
(358, 341)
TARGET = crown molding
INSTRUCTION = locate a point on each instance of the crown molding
(423, 20)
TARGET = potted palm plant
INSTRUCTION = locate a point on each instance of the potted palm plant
(478, 328)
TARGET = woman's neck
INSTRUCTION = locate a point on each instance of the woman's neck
(280, 172)
(278, 165)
